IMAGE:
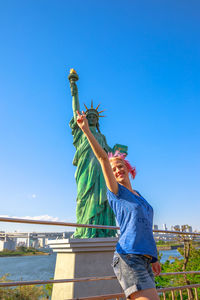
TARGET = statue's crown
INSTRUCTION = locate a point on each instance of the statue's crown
(93, 110)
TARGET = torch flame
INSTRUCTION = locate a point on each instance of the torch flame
(72, 71)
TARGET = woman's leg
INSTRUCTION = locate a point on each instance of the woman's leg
(148, 294)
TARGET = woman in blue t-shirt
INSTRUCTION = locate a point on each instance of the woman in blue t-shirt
(136, 253)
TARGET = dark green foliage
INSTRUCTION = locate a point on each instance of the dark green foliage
(29, 292)
(49, 287)
(193, 264)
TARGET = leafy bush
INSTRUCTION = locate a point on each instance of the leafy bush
(179, 265)
(27, 292)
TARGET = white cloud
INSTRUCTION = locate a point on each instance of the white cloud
(42, 217)
(11, 227)
(32, 196)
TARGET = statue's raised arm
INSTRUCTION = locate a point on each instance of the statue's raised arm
(73, 77)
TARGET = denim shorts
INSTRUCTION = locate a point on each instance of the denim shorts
(133, 272)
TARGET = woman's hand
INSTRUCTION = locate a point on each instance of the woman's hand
(82, 121)
(156, 268)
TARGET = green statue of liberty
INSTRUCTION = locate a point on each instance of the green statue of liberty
(92, 204)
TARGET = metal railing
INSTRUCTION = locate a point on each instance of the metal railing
(83, 279)
(162, 291)
(179, 290)
(56, 223)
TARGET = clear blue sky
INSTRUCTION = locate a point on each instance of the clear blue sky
(141, 60)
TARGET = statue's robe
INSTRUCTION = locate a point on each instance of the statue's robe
(92, 204)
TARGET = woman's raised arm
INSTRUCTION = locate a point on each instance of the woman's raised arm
(99, 152)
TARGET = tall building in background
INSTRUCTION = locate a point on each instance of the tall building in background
(175, 227)
(189, 229)
(164, 227)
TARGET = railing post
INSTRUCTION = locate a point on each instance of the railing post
(181, 295)
(172, 292)
(196, 294)
(190, 297)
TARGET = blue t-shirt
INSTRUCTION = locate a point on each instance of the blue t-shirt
(135, 218)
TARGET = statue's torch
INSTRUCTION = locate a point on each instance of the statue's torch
(73, 77)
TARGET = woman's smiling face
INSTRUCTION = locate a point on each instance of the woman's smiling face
(119, 169)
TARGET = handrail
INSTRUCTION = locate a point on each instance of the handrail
(36, 282)
(83, 279)
(56, 223)
(179, 273)
(174, 288)
(176, 232)
(120, 295)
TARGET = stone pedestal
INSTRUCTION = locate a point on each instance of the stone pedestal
(78, 258)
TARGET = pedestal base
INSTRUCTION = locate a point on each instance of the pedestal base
(77, 258)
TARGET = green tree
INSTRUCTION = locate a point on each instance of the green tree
(190, 262)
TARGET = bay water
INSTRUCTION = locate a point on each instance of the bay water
(42, 267)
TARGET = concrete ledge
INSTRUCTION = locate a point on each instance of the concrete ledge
(83, 245)
(78, 258)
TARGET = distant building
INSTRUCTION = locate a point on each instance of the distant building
(164, 227)
(168, 237)
(8, 245)
(21, 244)
(155, 227)
(36, 244)
(175, 228)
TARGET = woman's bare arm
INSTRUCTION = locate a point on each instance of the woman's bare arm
(99, 152)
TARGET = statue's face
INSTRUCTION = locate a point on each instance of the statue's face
(92, 119)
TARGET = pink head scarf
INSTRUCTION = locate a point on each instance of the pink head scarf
(122, 156)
